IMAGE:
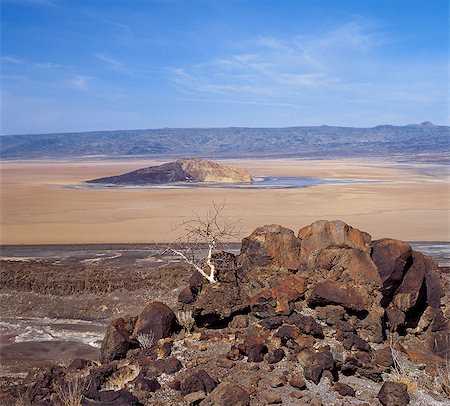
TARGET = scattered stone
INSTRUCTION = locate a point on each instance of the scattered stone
(146, 385)
(234, 354)
(318, 362)
(239, 321)
(224, 363)
(275, 356)
(393, 393)
(194, 398)
(197, 381)
(277, 382)
(343, 389)
(297, 382)
(227, 394)
(273, 398)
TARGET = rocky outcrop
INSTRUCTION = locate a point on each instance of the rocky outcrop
(187, 170)
(288, 313)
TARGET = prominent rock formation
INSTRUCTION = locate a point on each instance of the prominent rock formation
(287, 314)
(187, 170)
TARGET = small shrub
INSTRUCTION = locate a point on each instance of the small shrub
(186, 320)
(146, 340)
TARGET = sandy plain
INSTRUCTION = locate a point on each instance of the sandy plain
(405, 201)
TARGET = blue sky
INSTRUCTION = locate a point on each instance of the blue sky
(81, 65)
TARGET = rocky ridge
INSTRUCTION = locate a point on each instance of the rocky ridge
(187, 170)
(321, 318)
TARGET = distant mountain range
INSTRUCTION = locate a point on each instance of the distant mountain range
(234, 142)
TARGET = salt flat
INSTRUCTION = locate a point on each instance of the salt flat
(409, 202)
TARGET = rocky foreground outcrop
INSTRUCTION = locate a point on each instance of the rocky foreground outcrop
(320, 318)
(187, 170)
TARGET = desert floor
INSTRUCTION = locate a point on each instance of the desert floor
(405, 201)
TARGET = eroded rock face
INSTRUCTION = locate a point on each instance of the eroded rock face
(325, 234)
(269, 248)
(157, 319)
(338, 293)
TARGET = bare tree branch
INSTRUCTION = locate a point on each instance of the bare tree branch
(211, 230)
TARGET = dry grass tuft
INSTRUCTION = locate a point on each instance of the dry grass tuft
(146, 340)
(71, 390)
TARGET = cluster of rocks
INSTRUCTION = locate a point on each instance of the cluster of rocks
(286, 313)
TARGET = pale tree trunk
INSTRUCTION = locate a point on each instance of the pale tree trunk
(211, 277)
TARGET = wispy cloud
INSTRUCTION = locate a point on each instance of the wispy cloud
(47, 65)
(81, 82)
(274, 67)
(11, 59)
(113, 64)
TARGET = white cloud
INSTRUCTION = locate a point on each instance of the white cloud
(81, 82)
(11, 59)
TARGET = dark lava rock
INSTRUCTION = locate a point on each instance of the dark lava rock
(116, 342)
(197, 381)
(318, 362)
(275, 356)
(343, 389)
(156, 318)
(114, 398)
(306, 324)
(217, 302)
(227, 394)
(146, 385)
(393, 394)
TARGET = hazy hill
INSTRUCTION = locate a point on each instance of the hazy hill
(184, 170)
(323, 141)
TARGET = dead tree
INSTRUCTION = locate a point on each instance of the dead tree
(210, 231)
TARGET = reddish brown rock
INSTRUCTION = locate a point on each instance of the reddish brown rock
(338, 293)
(116, 342)
(325, 234)
(297, 382)
(269, 246)
(393, 393)
(254, 347)
(227, 394)
(280, 299)
(157, 319)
